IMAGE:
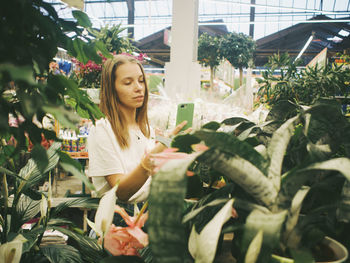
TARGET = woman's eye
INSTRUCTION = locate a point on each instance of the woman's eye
(142, 80)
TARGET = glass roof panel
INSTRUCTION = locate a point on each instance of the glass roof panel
(154, 15)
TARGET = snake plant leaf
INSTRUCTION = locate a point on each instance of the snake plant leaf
(213, 125)
(166, 201)
(61, 254)
(270, 223)
(195, 212)
(254, 248)
(244, 173)
(232, 145)
(203, 246)
(184, 142)
(277, 148)
(343, 212)
(341, 165)
(293, 214)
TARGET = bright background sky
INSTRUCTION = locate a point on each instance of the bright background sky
(270, 15)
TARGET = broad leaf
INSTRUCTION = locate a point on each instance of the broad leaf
(277, 149)
(254, 248)
(39, 155)
(293, 214)
(271, 225)
(232, 145)
(90, 250)
(61, 254)
(24, 73)
(165, 229)
(27, 209)
(203, 246)
(195, 212)
(32, 174)
(82, 18)
(243, 173)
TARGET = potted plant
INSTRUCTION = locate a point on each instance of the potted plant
(273, 186)
(29, 94)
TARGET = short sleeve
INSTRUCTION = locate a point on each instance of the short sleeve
(104, 152)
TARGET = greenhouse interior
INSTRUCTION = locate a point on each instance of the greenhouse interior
(159, 131)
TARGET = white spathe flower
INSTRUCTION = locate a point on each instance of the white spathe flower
(11, 252)
(203, 246)
(105, 211)
(43, 206)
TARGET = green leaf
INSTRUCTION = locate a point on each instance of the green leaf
(122, 259)
(243, 173)
(102, 48)
(71, 166)
(61, 254)
(82, 18)
(165, 229)
(277, 148)
(24, 73)
(213, 125)
(184, 142)
(40, 157)
(27, 209)
(293, 214)
(341, 165)
(203, 246)
(10, 173)
(66, 118)
(302, 256)
(271, 224)
(78, 46)
(89, 248)
(31, 173)
(195, 212)
(254, 248)
(230, 144)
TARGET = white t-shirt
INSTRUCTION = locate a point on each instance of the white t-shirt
(106, 157)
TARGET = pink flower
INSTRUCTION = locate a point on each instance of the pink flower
(126, 240)
(168, 154)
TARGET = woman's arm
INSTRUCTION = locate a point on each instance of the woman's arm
(130, 183)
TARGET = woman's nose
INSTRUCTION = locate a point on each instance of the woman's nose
(138, 86)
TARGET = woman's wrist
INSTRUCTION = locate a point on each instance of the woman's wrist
(146, 164)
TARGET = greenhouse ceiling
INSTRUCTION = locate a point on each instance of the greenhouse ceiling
(258, 18)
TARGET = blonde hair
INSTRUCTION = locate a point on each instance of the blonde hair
(110, 102)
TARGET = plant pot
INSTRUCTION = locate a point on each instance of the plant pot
(339, 251)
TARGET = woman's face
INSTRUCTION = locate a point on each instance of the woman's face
(130, 85)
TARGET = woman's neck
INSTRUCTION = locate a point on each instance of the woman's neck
(130, 116)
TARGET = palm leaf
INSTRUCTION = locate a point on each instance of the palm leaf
(90, 250)
(243, 173)
(10, 173)
(31, 173)
(26, 209)
(61, 254)
(165, 229)
(80, 202)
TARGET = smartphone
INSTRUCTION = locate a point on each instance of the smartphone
(185, 113)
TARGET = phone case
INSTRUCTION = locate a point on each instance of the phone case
(185, 112)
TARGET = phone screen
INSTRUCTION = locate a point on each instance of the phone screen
(185, 113)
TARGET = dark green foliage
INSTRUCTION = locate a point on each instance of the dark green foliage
(303, 86)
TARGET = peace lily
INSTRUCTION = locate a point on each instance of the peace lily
(11, 252)
(104, 213)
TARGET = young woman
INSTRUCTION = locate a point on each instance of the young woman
(119, 144)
